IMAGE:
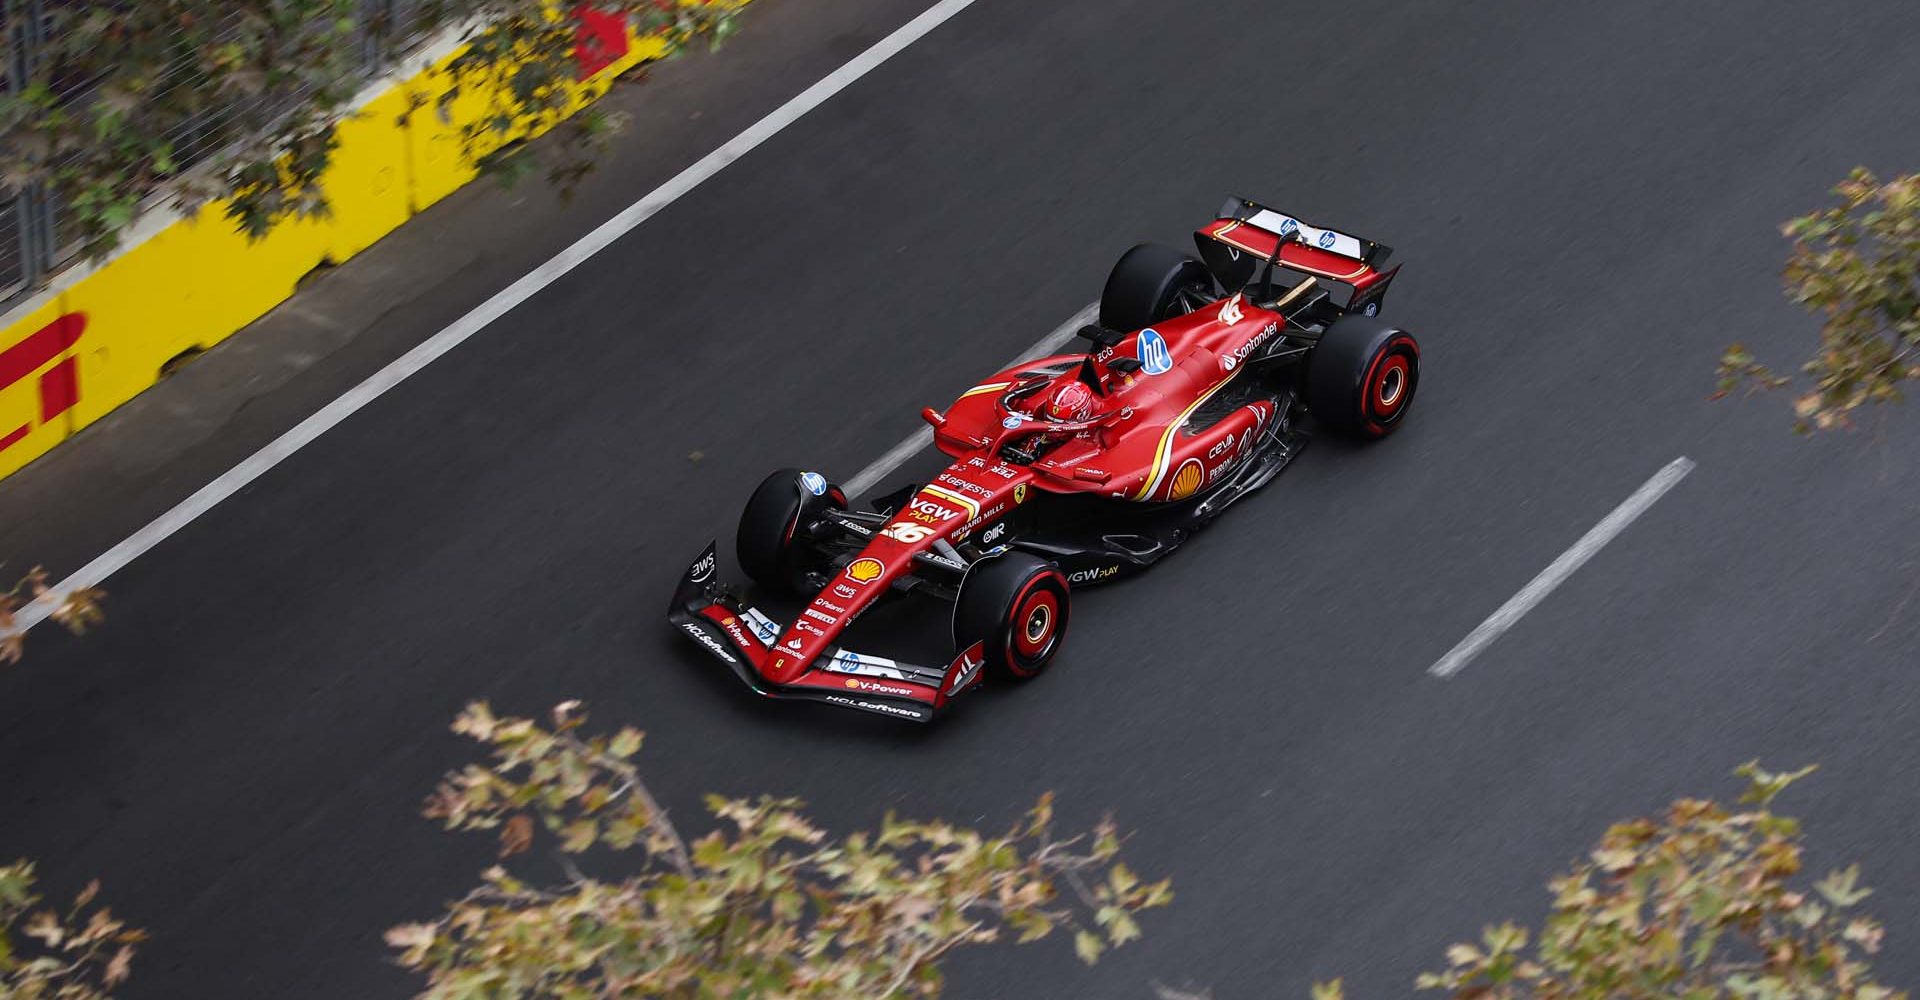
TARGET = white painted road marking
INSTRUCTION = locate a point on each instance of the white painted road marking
(1556, 574)
(430, 350)
(866, 478)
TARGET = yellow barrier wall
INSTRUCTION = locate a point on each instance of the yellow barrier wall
(199, 280)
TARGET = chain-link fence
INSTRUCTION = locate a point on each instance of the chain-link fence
(13, 263)
(32, 245)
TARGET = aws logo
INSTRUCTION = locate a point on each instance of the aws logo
(59, 385)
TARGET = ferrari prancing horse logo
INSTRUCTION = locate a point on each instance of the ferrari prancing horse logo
(1020, 493)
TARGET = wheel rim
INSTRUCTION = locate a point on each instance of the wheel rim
(1035, 623)
(1389, 387)
(1039, 623)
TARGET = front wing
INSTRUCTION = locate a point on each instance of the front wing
(742, 638)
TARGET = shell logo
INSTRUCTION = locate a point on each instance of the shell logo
(865, 570)
(1186, 480)
(851, 683)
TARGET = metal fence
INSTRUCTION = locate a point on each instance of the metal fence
(33, 247)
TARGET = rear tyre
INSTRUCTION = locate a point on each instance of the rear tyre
(1144, 287)
(769, 543)
(1361, 377)
(1016, 604)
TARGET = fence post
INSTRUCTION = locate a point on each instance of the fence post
(26, 38)
(377, 31)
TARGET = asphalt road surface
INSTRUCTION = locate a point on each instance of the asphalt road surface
(1586, 198)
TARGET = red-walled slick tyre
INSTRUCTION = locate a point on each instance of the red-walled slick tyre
(765, 543)
(1017, 605)
(1361, 377)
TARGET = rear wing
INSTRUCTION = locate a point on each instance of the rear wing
(1247, 234)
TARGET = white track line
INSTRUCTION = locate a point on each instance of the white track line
(1556, 574)
(430, 350)
(868, 477)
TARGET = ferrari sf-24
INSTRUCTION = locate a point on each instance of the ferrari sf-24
(1196, 387)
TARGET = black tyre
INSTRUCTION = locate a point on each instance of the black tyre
(1361, 377)
(1017, 605)
(1144, 287)
(768, 528)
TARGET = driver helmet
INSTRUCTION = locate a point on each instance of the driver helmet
(1071, 401)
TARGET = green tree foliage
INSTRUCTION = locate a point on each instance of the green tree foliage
(80, 953)
(155, 101)
(1704, 903)
(766, 904)
(1857, 267)
(524, 60)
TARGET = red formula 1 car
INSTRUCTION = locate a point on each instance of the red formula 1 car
(1071, 470)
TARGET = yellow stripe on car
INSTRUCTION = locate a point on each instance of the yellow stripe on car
(1161, 455)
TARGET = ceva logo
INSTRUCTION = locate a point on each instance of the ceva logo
(59, 385)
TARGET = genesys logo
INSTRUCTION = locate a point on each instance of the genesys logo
(965, 486)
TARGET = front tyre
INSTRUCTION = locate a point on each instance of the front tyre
(1361, 377)
(1015, 604)
(771, 547)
